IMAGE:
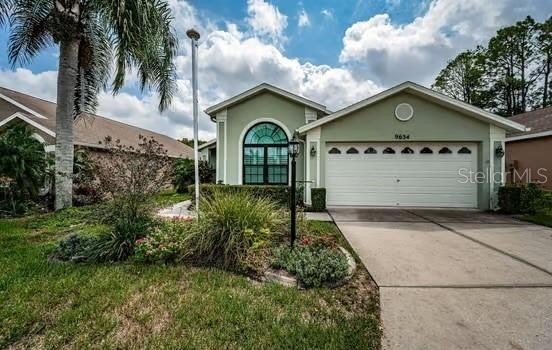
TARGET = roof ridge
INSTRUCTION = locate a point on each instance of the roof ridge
(32, 96)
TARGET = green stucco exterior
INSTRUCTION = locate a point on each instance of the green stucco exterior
(263, 107)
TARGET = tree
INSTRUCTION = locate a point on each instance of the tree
(545, 51)
(190, 142)
(96, 38)
(464, 78)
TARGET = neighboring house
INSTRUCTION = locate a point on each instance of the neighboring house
(207, 152)
(407, 146)
(89, 131)
(528, 154)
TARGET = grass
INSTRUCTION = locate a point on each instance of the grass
(47, 304)
(542, 218)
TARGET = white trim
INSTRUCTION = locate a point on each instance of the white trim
(404, 119)
(23, 107)
(225, 148)
(242, 136)
(218, 145)
(265, 87)
(38, 138)
(29, 121)
(423, 92)
(207, 144)
(50, 148)
(530, 136)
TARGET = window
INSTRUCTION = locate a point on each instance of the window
(334, 151)
(426, 150)
(352, 150)
(464, 150)
(407, 150)
(388, 150)
(265, 155)
(370, 150)
(445, 150)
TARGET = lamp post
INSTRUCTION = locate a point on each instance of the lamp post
(194, 37)
(293, 150)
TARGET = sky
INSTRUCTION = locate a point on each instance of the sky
(335, 52)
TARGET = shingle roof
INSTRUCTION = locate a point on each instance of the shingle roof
(539, 121)
(89, 130)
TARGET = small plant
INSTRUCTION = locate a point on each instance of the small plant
(314, 264)
(74, 248)
(318, 198)
(166, 243)
(183, 174)
(232, 225)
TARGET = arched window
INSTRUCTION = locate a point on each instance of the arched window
(445, 150)
(334, 151)
(370, 150)
(352, 150)
(426, 150)
(388, 150)
(464, 150)
(265, 155)
(407, 150)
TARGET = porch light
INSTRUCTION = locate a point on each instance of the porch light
(313, 151)
(499, 152)
(293, 147)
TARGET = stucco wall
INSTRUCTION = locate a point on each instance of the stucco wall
(241, 117)
(529, 156)
(431, 122)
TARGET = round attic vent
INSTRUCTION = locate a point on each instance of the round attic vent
(404, 112)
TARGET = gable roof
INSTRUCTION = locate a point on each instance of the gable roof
(89, 130)
(207, 144)
(259, 89)
(540, 122)
(427, 94)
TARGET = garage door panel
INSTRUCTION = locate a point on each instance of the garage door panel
(401, 179)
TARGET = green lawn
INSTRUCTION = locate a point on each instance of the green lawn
(52, 305)
(544, 218)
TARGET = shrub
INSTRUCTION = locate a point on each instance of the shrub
(232, 225)
(277, 194)
(318, 199)
(166, 243)
(184, 175)
(22, 168)
(514, 199)
(314, 265)
(74, 247)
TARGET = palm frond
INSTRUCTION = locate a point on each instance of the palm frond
(143, 37)
(5, 11)
(29, 29)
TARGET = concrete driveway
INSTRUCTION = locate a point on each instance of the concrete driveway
(455, 279)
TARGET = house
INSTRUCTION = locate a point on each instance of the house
(406, 146)
(89, 131)
(527, 153)
(207, 152)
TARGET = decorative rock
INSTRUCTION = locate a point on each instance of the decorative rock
(280, 276)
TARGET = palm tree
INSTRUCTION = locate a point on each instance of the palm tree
(98, 40)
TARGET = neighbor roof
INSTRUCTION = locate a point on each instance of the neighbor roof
(207, 144)
(539, 121)
(423, 92)
(89, 130)
(264, 87)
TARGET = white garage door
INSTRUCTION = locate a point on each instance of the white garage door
(401, 174)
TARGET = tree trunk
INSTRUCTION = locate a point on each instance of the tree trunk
(67, 79)
(546, 75)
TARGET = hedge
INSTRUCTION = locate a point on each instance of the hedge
(515, 199)
(318, 198)
(279, 194)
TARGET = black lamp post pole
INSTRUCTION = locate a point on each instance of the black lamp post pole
(292, 201)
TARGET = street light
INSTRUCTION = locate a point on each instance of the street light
(293, 150)
(194, 37)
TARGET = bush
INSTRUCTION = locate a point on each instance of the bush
(318, 199)
(74, 247)
(313, 265)
(166, 243)
(183, 174)
(514, 199)
(277, 194)
(22, 169)
(232, 225)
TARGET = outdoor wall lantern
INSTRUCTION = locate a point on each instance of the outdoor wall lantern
(293, 148)
(313, 151)
(499, 152)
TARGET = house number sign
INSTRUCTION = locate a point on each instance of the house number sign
(402, 136)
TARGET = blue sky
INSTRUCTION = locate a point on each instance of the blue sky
(332, 51)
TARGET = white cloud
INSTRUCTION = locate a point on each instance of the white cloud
(41, 85)
(304, 20)
(266, 20)
(328, 13)
(391, 53)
